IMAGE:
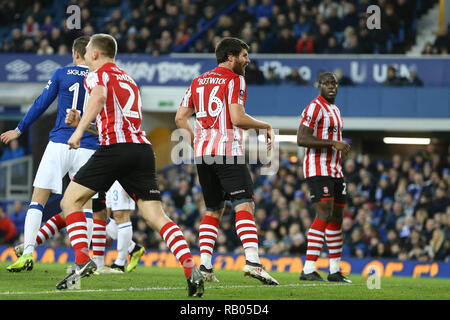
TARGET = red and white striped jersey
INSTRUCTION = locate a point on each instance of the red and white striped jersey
(121, 117)
(211, 95)
(326, 120)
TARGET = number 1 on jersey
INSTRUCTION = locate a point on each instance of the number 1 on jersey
(76, 90)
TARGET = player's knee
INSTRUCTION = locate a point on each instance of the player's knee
(65, 205)
(71, 204)
(100, 215)
(122, 216)
(324, 210)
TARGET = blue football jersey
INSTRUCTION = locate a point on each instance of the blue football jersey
(67, 83)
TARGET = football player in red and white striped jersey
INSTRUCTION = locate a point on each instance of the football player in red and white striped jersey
(218, 98)
(124, 155)
(320, 131)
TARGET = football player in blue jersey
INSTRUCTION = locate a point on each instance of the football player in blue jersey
(67, 83)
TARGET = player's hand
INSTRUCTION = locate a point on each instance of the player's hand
(72, 118)
(341, 146)
(269, 138)
(8, 136)
(75, 140)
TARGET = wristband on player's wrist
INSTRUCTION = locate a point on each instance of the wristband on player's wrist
(17, 130)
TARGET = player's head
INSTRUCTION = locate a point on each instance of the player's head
(233, 53)
(79, 49)
(328, 86)
(102, 47)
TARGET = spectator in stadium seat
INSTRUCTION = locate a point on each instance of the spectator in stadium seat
(17, 40)
(62, 49)
(253, 75)
(264, 9)
(414, 79)
(302, 25)
(142, 39)
(305, 43)
(209, 13)
(351, 18)
(333, 47)
(333, 20)
(342, 78)
(295, 78)
(416, 186)
(405, 11)
(286, 41)
(225, 23)
(55, 39)
(392, 79)
(45, 48)
(272, 78)
(440, 200)
(429, 49)
(8, 230)
(356, 242)
(165, 44)
(47, 27)
(30, 27)
(137, 19)
(427, 232)
(391, 19)
(13, 151)
(36, 12)
(199, 47)
(321, 38)
(240, 17)
(439, 247)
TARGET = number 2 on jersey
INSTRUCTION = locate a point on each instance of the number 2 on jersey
(127, 112)
(213, 99)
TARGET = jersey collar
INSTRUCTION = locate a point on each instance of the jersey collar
(322, 100)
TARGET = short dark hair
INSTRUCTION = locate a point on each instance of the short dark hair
(229, 46)
(105, 43)
(325, 75)
(79, 45)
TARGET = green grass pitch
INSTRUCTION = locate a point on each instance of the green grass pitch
(158, 283)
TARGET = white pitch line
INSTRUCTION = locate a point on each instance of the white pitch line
(170, 288)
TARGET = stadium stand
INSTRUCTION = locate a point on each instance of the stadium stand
(398, 208)
(269, 26)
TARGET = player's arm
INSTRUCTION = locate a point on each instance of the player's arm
(95, 104)
(244, 121)
(182, 121)
(73, 119)
(38, 107)
(306, 138)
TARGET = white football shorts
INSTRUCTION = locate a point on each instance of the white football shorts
(56, 162)
(118, 199)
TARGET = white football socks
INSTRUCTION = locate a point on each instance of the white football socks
(32, 225)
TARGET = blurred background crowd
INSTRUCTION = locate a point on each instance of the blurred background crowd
(160, 27)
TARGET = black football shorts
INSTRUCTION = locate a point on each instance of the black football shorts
(227, 180)
(132, 164)
(323, 188)
(99, 203)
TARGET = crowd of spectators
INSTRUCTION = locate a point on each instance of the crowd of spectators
(441, 44)
(158, 27)
(397, 208)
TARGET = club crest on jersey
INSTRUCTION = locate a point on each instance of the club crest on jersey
(48, 84)
(241, 93)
